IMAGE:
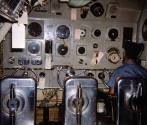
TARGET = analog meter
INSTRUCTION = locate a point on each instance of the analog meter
(113, 55)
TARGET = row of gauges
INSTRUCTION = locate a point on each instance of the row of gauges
(112, 33)
(62, 49)
(35, 47)
(35, 30)
(63, 31)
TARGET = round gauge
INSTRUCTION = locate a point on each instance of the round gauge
(144, 30)
(97, 33)
(62, 49)
(113, 55)
(113, 34)
(34, 47)
(114, 58)
(97, 9)
(34, 29)
(63, 32)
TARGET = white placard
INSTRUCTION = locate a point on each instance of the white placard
(41, 83)
(77, 34)
(48, 61)
(18, 36)
(73, 14)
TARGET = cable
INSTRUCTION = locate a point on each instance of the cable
(58, 76)
(25, 73)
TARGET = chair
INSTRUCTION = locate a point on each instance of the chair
(131, 102)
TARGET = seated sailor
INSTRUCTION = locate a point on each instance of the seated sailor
(131, 66)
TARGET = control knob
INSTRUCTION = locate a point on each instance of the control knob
(62, 49)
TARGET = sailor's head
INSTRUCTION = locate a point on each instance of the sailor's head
(133, 50)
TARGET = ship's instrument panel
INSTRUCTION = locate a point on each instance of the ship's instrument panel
(88, 39)
(61, 54)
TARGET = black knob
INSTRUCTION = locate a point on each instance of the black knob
(62, 49)
(97, 9)
(84, 14)
(101, 75)
(81, 50)
(42, 74)
(90, 74)
(97, 33)
(113, 34)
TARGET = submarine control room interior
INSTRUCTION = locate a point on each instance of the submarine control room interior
(57, 58)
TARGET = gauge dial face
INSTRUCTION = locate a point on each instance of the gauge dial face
(114, 58)
(97, 9)
(34, 47)
(113, 55)
(34, 29)
(63, 32)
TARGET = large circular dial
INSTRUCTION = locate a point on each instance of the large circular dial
(113, 34)
(97, 9)
(63, 32)
(34, 47)
(34, 29)
(144, 30)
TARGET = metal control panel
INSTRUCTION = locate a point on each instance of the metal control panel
(89, 38)
(80, 44)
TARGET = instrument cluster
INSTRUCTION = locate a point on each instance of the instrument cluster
(82, 38)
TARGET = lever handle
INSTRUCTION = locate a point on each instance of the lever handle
(79, 101)
(13, 104)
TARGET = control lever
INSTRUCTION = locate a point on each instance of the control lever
(78, 103)
(12, 105)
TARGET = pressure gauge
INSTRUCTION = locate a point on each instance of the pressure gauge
(113, 55)
(34, 29)
(97, 9)
(34, 47)
(63, 32)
